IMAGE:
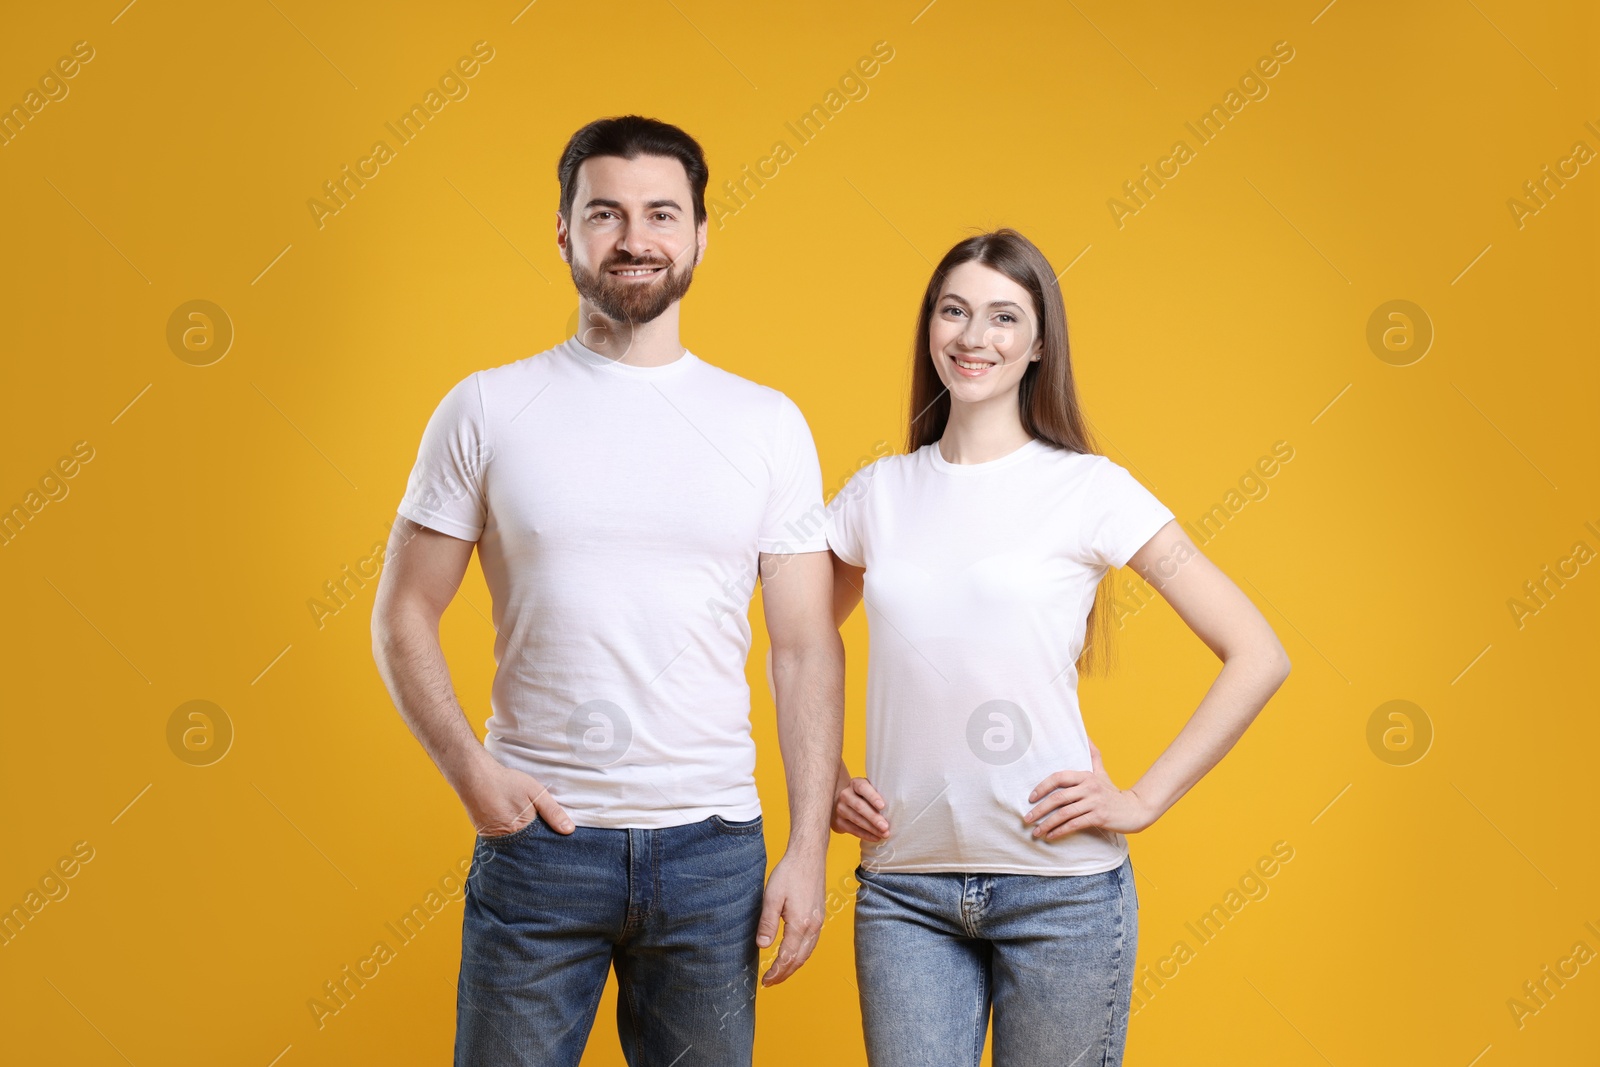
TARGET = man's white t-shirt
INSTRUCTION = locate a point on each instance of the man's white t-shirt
(979, 580)
(619, 512)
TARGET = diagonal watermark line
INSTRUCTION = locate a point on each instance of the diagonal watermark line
(1285, 1018)
(269, 666)
(885, 218)
(702, 433)
(897, 630)
(529, 404)
(1513, 44)
(123, 12)
(670, 662)
(1074, 263)
(130, 404)
(302, 833)
(497, 229)
(302, 433)
(1469, 666)
(97, 629)
(713, 44)
(1502, 433)
(313, 44)
(1330, 404)
(1330, 804)
(1469, 266)
(269, 266)
(98, 230)
(1297, 630)
(1502, 833)
(130, 804)
(522, 648)
(88, 1020)
(1113, 44)
(1127, 460)
(1323, 12)
(523, 12)
(1297, 229)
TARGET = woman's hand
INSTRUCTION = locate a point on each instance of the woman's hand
(1069, 801)
(855, 811)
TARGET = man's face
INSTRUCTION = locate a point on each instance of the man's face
(632, 243)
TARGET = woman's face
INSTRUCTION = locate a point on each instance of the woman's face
(983, 333)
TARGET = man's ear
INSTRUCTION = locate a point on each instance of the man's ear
(563, 237)
(700, 233)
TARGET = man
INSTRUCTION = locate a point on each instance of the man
(623, 496)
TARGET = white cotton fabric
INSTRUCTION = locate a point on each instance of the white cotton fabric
(979, 580)
(619, 512)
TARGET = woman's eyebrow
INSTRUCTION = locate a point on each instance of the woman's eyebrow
(992, 303)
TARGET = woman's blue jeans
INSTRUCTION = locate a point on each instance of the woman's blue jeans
(1051, 956)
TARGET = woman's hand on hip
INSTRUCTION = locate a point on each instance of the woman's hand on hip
(1069, 801)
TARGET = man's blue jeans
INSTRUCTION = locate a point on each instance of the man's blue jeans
(548, 915)
(1052, 955)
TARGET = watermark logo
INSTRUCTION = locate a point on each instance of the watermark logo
(599, 732)
(1399, 333)
(999, 732)
(199, 733)
(199, 333)
(1399, 733)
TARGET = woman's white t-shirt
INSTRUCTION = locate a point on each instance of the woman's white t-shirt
(979, 580)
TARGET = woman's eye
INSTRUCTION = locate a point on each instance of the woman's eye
(1007, 319)
(952, 308)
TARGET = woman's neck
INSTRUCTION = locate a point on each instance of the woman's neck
(978, 433)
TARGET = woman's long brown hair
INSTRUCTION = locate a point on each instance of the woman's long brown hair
(1047, 398)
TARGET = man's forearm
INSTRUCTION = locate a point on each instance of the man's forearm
(809, 691)
(413, 668)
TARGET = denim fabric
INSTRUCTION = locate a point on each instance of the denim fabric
(673, 910)
(1051, 955)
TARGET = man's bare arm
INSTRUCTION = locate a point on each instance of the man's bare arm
(422, 571)
(808, 684)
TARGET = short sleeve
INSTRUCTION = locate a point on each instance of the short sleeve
(445, 489)
(794, 520)
(1122, 515)
(846, 526)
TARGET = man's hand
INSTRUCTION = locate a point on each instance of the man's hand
(795, 892)
(857, 808)
(1069, 801)
(501, 800)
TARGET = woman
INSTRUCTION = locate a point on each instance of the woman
(994, 869)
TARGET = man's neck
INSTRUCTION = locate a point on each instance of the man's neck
(650, 344)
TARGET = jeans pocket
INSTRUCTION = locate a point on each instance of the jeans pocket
(524, 830)
(726, 826)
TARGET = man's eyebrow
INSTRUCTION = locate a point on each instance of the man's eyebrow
(996, 303)
(650, 206)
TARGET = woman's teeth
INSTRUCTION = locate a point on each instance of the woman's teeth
(964, 365)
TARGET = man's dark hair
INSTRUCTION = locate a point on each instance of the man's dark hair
(631, 136)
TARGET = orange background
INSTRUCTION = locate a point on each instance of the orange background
(1229, 312)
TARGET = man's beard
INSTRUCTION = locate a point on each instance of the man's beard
(632, 303)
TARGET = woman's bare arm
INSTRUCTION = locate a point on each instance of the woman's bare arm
(1254, 665)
